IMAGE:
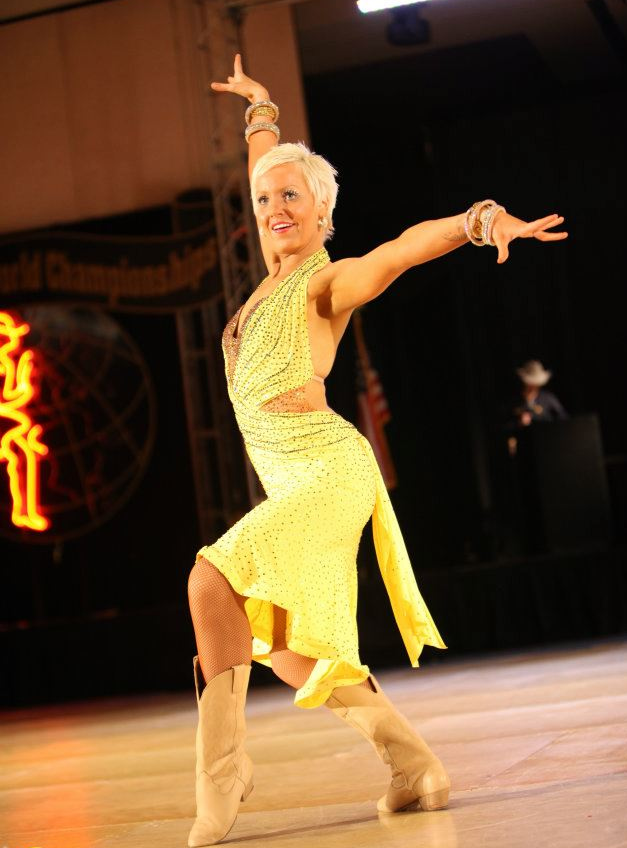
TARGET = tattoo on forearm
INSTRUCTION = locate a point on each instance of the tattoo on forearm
(458, 234)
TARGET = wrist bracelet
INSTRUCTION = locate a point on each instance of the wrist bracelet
(485, 222)
(266, 112)
(469, 225)
(478, 222)
(262, 125)
(262, 107)
(483, 210)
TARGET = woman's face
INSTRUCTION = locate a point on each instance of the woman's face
(286, 212)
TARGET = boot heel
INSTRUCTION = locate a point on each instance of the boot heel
(435, 800)
(247, 791)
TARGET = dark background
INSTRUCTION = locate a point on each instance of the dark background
(107, 613)
(448, 335)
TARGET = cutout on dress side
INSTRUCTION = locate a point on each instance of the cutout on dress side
(294, 400)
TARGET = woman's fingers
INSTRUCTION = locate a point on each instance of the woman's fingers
(533, 227)
(232, 85)
(543, 222)
(542, 236)
(233, 79)
(537, 229)
(511, 229)
(239, 83)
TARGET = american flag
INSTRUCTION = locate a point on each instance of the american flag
(372, 407)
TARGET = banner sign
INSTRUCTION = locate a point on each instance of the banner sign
(118, 272)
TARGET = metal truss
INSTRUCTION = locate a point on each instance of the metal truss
(225, 482)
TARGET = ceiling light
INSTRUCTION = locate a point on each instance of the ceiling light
(379, 5)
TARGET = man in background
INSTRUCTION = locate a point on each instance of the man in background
(536, 403)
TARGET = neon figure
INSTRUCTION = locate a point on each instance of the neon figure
(20, 446)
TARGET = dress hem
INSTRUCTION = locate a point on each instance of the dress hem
(327, 674)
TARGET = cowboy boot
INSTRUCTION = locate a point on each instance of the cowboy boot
(223, 769)
(418, 776)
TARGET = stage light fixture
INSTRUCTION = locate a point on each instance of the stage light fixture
(379, 5)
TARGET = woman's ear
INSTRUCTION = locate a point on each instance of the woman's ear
(323, 215)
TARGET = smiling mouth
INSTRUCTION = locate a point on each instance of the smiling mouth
(282, 227)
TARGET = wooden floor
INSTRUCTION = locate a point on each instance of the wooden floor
(536, 745)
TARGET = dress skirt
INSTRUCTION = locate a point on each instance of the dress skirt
(298, 549)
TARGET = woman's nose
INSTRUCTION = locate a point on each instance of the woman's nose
(275, 205)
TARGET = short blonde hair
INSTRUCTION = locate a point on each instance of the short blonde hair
(319, 175)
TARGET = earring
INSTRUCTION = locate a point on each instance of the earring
(322, 222)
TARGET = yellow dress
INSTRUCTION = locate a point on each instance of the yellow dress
(298, 548)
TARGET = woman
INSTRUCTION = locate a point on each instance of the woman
(280, 586)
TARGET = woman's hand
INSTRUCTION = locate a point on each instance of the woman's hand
(240, 84)
(507, 228)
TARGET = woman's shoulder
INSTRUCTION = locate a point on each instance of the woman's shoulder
(321, 280)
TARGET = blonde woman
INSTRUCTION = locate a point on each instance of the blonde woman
(280, 586)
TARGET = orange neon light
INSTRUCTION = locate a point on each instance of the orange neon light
(20, 446)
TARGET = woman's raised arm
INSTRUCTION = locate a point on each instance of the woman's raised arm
(362, 279)
(262, 140)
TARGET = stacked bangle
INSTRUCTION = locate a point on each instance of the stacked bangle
(470, 224)
(262, 109)
(265, 108)
(479, 222)
(261, 125)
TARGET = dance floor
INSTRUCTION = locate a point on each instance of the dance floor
(535, 743)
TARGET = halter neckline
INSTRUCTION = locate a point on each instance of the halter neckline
(314, 257)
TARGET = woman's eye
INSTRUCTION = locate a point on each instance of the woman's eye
(262, 199)
(290, 194)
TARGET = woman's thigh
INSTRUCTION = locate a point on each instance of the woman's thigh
(206, 579)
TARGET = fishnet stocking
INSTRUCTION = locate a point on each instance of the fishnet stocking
(221, 626)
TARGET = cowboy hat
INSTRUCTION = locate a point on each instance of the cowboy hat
(533, 373)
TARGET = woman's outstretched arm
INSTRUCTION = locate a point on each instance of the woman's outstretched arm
(262, 140)
(360, 280)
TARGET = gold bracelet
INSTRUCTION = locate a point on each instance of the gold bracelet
(260, 108)
(265, 111)
(474, 225)
(483, 210)
(470, 225)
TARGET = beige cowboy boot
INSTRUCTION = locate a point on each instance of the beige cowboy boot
(418, 777)
(223, 769)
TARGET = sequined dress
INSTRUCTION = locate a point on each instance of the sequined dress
(298, 547)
